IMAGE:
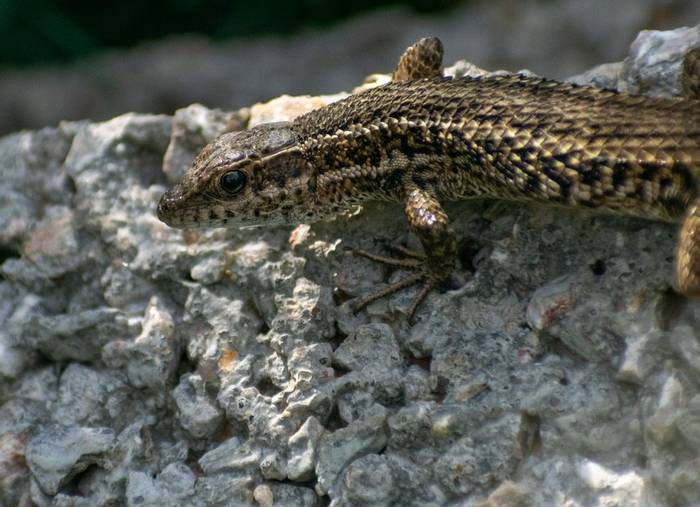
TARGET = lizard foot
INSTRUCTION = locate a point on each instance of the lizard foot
(430, 224)
(414, 261)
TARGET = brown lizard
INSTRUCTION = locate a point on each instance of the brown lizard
(425, 138)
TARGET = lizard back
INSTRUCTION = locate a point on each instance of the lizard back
(514, 137)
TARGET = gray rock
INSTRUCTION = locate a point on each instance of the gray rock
(225, 490)
(338, 449)
(388, 480)
(302, 450)
(231, 456)
(141, 489)
(558, 363)
(151, 359)
(476, 462)
(307, 314)
(173, 486)
(275, 493)
(56, 454)
(198, 414)
(372, 344)
(14, 359)
(273, 467)
(652, 67)
(90, 397)
(369, 481)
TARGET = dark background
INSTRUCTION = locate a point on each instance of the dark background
(79, 59)
(42, 31)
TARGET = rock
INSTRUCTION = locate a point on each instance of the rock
(151, 359)
(231, 455)
(302, 450)
(57, 454)
(224, 489)
(197, 413)
(276, 493)
(174, 485)
(338, 449)
(652, 67)
(146, 365)
(372, 344)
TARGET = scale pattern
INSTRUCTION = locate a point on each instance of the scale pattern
(512, 137)
(425, 138)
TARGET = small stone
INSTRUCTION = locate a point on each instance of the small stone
(661, 425)
(151, 359)
(369, 480)
(208, 271)
(372, 344)
(688, 422)
(509, 494)
(339, 448)
(177, 479)
(286, 108)
(225, 489)
(273, 467)
(263, 495)
(57, 454)
(287, 495)
(197, 413)
(550, 302)
(302, 450)
(231, 455)
(639, 358)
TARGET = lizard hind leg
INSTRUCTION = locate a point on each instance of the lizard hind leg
(688, 256)
(422, 60)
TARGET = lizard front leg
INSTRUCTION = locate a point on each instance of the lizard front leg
(430, 223)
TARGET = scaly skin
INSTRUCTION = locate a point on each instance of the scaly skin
(424, 138)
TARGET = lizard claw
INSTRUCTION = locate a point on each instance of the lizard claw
(414, 261)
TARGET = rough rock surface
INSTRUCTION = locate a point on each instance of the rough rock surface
(149, 366)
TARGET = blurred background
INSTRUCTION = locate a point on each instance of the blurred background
(75, 59)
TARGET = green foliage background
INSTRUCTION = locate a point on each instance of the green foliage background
(41, 31)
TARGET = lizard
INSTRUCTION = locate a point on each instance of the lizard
(423, 139)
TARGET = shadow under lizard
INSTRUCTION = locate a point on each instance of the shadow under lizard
(424, 138)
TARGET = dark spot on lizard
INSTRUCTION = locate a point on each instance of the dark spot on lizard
(620, 173)
(590, 176)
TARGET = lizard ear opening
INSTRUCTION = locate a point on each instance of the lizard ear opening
(233, 182)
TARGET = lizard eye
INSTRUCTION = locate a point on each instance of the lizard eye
(233, 182)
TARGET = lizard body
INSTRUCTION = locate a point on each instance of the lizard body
(424, 138)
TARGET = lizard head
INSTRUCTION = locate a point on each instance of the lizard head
(257, 176)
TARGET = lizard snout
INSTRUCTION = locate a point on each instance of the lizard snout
(166, 208)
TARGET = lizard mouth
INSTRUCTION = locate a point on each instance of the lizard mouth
(182, 212)
(170, 209)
